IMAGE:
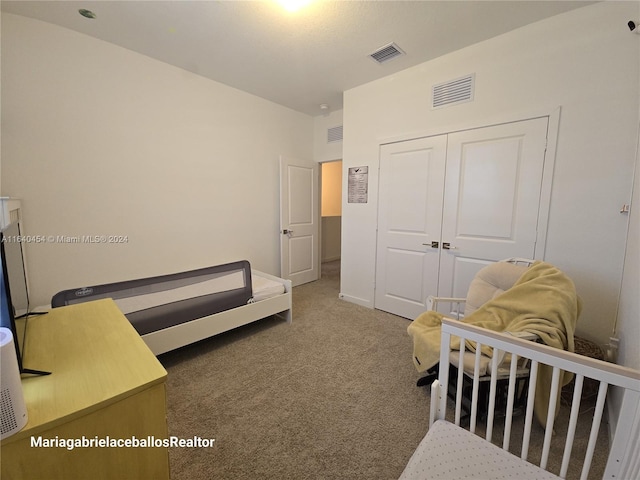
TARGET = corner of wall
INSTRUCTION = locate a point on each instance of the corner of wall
(324, 150)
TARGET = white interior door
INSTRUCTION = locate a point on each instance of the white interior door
(299, 220)
(492, 199)
(409, 222)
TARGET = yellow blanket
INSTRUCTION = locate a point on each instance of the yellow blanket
(543, 301)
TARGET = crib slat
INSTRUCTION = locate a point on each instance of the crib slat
(476, 383)
(533, 379)
(445, 351)
(459, 382)
(573, 421)
(510, 396)
(492, 393)
(551, 415)
(436, 389)
(595, 428)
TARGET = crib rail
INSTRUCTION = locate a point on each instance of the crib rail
(624, 458)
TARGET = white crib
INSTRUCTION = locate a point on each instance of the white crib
(450, 451)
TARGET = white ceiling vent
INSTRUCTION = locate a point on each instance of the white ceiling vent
(453, 92)
(386, 53)
(334, 134)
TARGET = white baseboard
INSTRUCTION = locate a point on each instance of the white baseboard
(359, 301)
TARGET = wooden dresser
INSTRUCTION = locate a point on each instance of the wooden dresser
(106, 386)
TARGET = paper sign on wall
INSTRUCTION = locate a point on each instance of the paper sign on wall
(358, 183)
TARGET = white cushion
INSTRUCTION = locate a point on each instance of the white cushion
(490, 282)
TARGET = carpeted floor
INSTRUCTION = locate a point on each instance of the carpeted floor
(331, 396)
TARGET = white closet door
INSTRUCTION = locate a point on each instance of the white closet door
(486, 208)
(492, 199)
(409, 220)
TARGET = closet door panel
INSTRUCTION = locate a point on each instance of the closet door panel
(492, 199)
(409, 222)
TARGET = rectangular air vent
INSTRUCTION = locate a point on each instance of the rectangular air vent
(334, 134)
(386, 53)
(453, 92)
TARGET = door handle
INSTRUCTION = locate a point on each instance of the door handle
(447, 246)
(287, 232)
(432, 244)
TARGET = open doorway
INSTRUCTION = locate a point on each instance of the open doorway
(331, 217)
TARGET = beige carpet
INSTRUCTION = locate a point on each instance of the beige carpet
(331, 396)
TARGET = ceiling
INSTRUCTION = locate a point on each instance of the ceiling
(300, 59)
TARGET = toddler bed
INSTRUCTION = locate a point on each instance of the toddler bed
(171, 311)
(450, 451)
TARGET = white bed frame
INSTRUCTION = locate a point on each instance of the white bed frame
(177, 336)
(624, 453)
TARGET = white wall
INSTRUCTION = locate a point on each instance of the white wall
(99, 140)
(328, 152)
(585, 62)
(628, 325)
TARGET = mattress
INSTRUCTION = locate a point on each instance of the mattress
(156, 303)
(450, 452)
(264, 288)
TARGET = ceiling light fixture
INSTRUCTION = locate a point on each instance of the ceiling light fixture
(293, 5)
(87, 13)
